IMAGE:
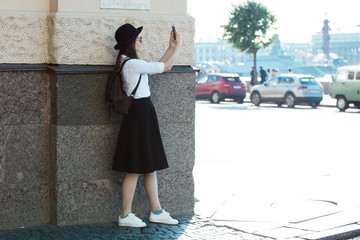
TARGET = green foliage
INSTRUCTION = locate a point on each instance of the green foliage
(248, 25)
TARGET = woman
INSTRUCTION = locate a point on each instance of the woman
(140, 149)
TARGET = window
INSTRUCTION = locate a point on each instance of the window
(351, 75)
(272, 81)
(202, 80)
(212, 78)
(286, 80)
(308, 81)
(341, 75)
(357, 75)
(232, 79)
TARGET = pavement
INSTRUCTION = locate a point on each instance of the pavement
(223, 218)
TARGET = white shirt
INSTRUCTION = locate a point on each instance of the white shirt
(131, 73)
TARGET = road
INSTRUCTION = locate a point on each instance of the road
(263, 157)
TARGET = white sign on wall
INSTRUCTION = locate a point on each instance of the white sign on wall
(126, 4)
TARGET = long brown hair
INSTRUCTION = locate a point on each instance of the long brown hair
(128, 51)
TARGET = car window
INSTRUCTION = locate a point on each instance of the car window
(357, 75)
(341, 75)
(202, 79)
(351, 75)
(286, 80)
(232, 79)
(272, 81)
(212, 78)
(308, 81)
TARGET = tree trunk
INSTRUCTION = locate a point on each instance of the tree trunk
(255, 72)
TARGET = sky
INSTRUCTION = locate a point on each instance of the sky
(296, 22)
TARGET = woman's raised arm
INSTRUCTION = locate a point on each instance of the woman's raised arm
(171, 53)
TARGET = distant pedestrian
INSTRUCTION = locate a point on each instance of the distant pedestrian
(263, 75)
(139, 148)
(290, 70)
(253, 76)
(268, 73)
(274, 72)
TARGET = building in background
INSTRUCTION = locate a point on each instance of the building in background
(344, 48)
(327, 51)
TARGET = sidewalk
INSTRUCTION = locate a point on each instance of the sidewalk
(196, 227)
(189, 228)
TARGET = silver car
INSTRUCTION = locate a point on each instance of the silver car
(290, 89)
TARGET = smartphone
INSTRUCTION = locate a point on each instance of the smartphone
(174, 34)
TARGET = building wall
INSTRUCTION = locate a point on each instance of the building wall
(57, 134)
(79, 32)
(24, 148)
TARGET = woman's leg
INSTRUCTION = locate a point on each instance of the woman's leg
(151, 186)
(128, 191)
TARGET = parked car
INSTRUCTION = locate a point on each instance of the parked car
(218, 87)
(346, 87)
(290, 89)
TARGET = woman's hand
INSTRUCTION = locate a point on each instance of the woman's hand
(171, 53)
(175, 43)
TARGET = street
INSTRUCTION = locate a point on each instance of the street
(253, 163)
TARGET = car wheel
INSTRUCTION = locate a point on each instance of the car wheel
(255, 98)
(315, 104)
(290, 100)
(215, 97)
(342, 104)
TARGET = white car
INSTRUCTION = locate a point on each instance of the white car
(290, 89)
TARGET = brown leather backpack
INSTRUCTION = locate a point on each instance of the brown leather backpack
(119, 101)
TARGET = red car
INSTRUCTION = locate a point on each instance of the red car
(217, 87)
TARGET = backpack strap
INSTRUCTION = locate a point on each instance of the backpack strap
(135, 89)
(123, 63)
(138, 83)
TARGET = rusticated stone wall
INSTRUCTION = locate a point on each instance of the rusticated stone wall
(24, 149)
(57, 135)
(87, 39)
(24, 38)
(58, 138)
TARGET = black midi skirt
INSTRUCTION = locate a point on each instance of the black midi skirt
(139, 148)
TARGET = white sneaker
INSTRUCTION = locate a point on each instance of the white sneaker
(163, 217)
(131, 221)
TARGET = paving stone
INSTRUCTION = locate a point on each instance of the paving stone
(344, 232)
(189, 228)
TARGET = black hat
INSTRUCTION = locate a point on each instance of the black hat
(125, 34)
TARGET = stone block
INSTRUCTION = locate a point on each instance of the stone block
(24, 97)
(24, 205)
(173, 95)
(85, 153)
(179, 144)
(81, 99)
(85, 202)
(24, 37)
(26, 153)
(2, 159)
(176, 192)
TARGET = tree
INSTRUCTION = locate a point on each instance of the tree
(247, 28)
